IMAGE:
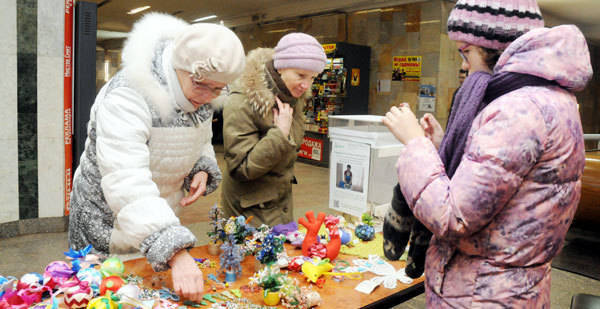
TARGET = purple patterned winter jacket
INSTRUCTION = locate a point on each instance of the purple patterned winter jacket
(504, 215)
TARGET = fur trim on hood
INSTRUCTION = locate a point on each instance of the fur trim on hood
(253, 83)
(139, 51)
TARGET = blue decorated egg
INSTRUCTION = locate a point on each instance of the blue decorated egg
(365, 232)
(93, 278)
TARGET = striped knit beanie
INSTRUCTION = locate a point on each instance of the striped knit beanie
(493, 24)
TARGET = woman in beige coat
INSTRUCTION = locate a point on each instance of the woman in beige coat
(264, 126)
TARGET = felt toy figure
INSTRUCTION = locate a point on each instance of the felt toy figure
(398, 226)
(312, 235)
(315, 271)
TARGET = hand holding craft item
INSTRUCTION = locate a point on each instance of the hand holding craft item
(311, 240)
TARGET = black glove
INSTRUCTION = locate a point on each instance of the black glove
(399, 226)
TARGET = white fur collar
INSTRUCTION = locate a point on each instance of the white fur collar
(139, 51)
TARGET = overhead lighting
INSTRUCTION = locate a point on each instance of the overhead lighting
(374, 11)
(106, 70)
(204, 18)
(281, 30)
(137, 10)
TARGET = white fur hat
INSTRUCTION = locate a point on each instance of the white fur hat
(209, 51)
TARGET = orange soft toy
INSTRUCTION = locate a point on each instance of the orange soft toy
(312, 234)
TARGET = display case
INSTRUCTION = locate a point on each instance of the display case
(362, 166)
(341, 89)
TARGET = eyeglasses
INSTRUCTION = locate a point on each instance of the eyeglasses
(204, 87)
(461, 52)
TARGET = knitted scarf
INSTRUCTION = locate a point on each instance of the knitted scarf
(278, 85)
(478, 90)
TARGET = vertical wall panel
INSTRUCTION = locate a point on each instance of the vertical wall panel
(50, 44)
(27, 107)
(9, 172)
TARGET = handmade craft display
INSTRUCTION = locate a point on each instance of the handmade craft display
(56, 273)
(216, 232)
(103, 287)
(271, 280)
(311, 246)
(365, 230)
(271, 246)
(77, 294)
(230, 259)
(112, 266)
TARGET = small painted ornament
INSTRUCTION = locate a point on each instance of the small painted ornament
(365, 232)
(77, 295)
(111, 283)
(346, 237)
(103, 302)
(6, 284)
(93, 278)
(30, 280)
(296, 263)
(129, 291)
(56, 273)
(112, 266)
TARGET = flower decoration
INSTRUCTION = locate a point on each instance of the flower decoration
(367, 219)
(294, 297)
(231, 257)
(239, 228)
(270, 279)
(271, 246)
(216, 233)
(365, 231)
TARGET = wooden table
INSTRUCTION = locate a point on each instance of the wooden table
(334, 294)
(588, 211)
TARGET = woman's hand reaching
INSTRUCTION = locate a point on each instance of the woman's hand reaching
(433, 129)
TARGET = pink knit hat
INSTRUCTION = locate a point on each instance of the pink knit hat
(299, 51)
(493, 24)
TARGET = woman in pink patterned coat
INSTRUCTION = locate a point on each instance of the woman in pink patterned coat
(503, 215)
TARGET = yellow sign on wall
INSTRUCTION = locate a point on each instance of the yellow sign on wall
(329, 48)
(355, 81)
(406, 68)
